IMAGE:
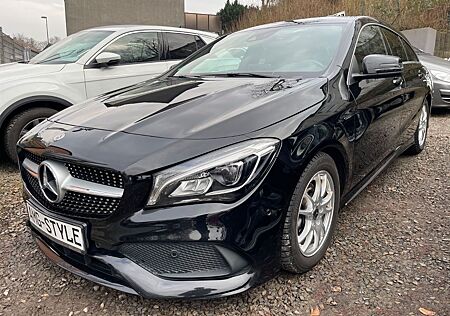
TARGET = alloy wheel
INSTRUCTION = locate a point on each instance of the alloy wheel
(315, 213)
(423, 125)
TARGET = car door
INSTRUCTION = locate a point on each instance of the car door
(178, 46)
(378, 106)
(415, 84)
(140, 54)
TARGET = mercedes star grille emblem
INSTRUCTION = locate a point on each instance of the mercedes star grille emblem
(48, 181)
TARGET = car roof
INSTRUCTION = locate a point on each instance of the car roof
(130, 28)
(319, 20)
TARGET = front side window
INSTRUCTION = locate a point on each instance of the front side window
(395, 44)
(370, 42)
(136, 48)
(180, 45)
(409, 51)
(288, 51)
(70, 49)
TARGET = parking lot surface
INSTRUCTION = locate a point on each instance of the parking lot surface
(390, 256)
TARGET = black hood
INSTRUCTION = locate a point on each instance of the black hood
(210, 108)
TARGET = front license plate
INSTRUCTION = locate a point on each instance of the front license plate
(62, 232)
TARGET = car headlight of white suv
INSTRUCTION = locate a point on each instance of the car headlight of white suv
(441, 75)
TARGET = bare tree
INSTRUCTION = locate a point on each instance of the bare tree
(266, 3)
(33, 44)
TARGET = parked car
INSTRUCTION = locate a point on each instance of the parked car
(211, 178)
(84, 65)
(440, 72)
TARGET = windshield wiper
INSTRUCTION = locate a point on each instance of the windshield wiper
(187, 77)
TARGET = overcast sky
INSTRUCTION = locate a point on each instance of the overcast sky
(24, 16)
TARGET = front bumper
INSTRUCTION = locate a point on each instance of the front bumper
(220, 248)
(240, 243)
(441, 94)
(129, 277)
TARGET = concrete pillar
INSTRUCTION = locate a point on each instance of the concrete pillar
(1, 46)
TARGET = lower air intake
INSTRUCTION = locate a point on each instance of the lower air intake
(178, 260)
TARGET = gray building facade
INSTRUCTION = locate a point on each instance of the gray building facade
(83, 14)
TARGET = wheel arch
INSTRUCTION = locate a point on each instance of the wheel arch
(337, 151)
(29, 103)
(429, 99)
(340, 157)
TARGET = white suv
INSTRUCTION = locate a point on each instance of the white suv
(84, 65)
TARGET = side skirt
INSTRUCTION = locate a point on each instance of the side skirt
(371, 176)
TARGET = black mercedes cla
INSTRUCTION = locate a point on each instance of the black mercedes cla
(211, 178)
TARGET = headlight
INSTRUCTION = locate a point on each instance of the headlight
(223, 175)
(441, 75)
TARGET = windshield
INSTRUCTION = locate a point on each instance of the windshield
(70, 49)
(298, 50)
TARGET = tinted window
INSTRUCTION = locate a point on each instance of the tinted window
(136, 48)
(180, 45)
(395, 44)
(294, 51)
(370, 42)
(409, 51)
(200, 42)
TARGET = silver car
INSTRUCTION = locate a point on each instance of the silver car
(440, 71)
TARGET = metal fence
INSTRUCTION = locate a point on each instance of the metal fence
(204, 22)
(442, 47)
(11, 51)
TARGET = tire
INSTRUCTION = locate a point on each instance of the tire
(17, 124)
(293, 258)
(420, 139)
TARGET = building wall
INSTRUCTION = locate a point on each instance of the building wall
(83, 14)
(424, 38)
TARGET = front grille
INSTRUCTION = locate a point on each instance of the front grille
(92, 174)
(177, 259)
(74, 203)
(34, 158)
(445, 95)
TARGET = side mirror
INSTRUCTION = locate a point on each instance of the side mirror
(107, 59)
(380, 66)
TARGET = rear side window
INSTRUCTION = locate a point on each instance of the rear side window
(395, 44)
(136, 48)
(180, 46)
(370, 42)
(200, 42)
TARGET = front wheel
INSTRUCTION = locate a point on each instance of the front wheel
(20, 124)
(312, 215)
(420, 135)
